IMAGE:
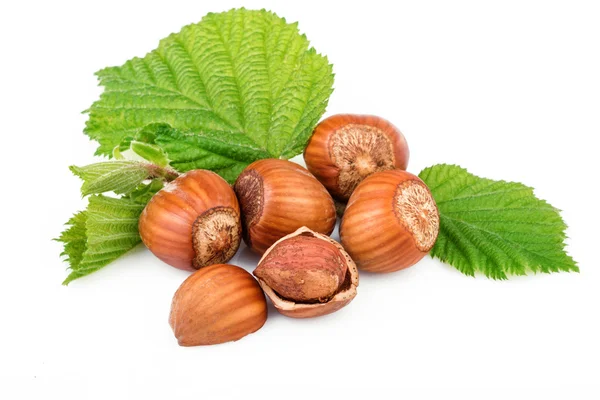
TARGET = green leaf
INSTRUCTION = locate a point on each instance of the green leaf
(148, 133)
(226, 156)
(143, 144)
(242, 78)
(497, 228)
(150, 152)
(115, 176)
(120, 177)
(74, 239)
(144, 192)
(101, 234)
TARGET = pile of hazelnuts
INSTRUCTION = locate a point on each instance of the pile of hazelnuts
(355, 167)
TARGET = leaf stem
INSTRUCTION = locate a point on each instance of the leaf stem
(166, 173)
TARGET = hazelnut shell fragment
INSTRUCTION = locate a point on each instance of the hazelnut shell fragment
(313, 307)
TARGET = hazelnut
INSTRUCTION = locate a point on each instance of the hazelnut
(277, 197)
(194, 221)
(346, 148)
(217, 304)
(390, 223)
(307, 274)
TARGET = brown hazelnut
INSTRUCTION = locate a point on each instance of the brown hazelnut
(194, 221)
(277, 197)
(217, 304)
(346, 148)
(390, 223)
(307, 274)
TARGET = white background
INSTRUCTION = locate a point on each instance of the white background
(508, 89)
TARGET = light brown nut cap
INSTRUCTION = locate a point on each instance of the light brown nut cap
(344, 295)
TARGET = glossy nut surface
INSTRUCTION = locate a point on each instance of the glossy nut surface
(194, 221)
(217, 304)
(301, 275)
(304, 268)
(391, 222)
(277, 197)
(346, 148)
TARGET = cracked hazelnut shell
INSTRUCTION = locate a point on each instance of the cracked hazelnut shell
(307, 274)
(217, 304)
(277, 197)
(346, 148)
(390, 223)
(192, 222)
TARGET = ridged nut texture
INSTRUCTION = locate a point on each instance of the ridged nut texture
(307, 274)
(217, 304)
(277, 197)
(346, 148)
(193, 221)
(390, 223)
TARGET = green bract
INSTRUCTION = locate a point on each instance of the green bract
(101, 234)
(120, 177)
(241, 80)
(497, 228)
(108, 228)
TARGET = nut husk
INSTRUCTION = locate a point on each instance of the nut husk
(311, 307)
